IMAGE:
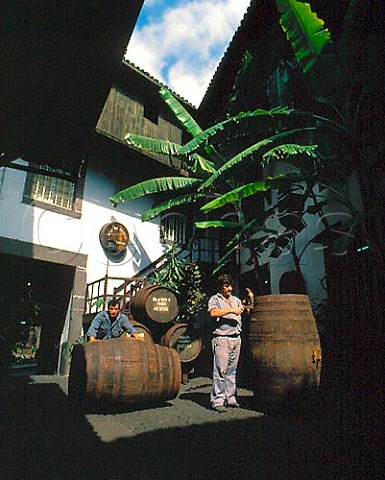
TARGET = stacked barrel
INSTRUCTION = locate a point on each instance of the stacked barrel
(156, 308)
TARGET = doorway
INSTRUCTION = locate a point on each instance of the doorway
(34, 298)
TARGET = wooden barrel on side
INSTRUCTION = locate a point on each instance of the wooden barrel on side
(123, 371)
(155, 303)
(185, 340)
(285, 350)
(142, 329)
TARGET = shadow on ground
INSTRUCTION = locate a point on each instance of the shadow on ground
(44, 437)
(203, 399)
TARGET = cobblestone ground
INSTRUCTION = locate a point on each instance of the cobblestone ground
(43, 436)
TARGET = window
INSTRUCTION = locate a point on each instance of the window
(53, 189)
(151, 111)
(173, 229)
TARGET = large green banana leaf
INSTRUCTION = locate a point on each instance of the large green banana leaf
(283, 152)
(224, 260)
(236, 195)
(154, 185)
(186, 120)
(199, 163)
(153, 144)
(217, 224)
(234, 161)
(304, 30)
(254, 226)
(193, 144)
(170, 204)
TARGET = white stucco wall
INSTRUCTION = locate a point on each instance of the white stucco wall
(34, 225)
(344, 203)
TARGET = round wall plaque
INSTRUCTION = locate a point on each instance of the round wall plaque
(114, 237)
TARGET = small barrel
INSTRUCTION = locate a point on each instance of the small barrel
(285, 350)
(155, 303)
(185, 340)
(123, 371)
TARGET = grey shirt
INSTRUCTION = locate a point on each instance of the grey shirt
(229, 324)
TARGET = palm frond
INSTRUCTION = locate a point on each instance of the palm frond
(153, 144)
(304, 30)
(170, 204)
(152, 186)
(183, 116)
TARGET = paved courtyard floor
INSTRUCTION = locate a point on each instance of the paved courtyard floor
(44, 436)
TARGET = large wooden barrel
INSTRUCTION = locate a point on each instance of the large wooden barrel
(185, 340)
(140, 328)
(155, 303)
(285, 349)
(123, 371)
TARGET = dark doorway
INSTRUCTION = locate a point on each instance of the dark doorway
(34, 298)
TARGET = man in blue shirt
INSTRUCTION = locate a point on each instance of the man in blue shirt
(226, 311)
(111, 324)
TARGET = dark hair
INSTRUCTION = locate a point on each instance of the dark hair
(223, 279)
(113, 302)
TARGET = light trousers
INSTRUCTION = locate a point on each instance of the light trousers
(226, 352)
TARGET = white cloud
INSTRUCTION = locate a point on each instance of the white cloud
(190, 84)
(185, 43)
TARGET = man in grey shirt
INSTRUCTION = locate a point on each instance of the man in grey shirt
(225, 309)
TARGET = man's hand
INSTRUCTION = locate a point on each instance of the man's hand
(139, 336)
(238, 310)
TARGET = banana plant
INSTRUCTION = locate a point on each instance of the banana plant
(342, 92)
(205, 157)
(317, 56)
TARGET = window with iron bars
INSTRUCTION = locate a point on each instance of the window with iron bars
(51, 188)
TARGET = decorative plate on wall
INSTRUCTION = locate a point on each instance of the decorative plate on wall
(114, 237)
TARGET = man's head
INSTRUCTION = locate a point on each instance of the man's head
(225, 285)
(113, 308)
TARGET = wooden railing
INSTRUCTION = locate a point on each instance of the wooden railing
(99, 292)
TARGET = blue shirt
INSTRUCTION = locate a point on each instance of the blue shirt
(229, 324)
(102, 328)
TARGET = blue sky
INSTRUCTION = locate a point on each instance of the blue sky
(180, 42)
